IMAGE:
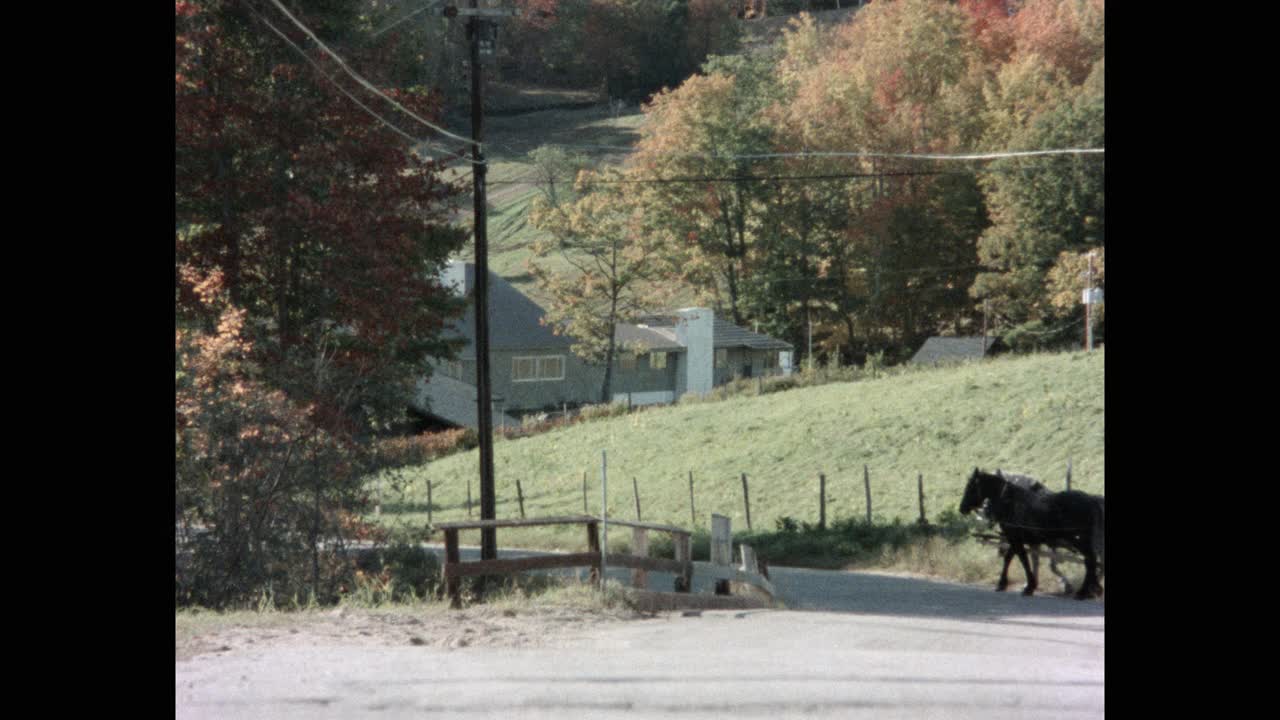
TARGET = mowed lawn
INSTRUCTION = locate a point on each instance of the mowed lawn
(1025, 414)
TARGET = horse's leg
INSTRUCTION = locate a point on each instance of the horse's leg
(1026, 568)
(1003, 582)
(1053, 567)
(1090, 586)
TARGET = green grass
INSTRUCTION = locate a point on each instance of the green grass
(1027, 414)
(509, 140)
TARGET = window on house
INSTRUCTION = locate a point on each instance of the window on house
(524, 369)
(770, 361)
(657, 360)
(530, 369)
(551, 368)
(722, 358)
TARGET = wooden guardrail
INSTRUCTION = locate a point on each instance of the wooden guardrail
(638, 560)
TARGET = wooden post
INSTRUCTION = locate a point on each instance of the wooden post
(749, 563)
(746, 500)
(1068, 472)
(822, 501)
(866, 482)
(684, 580)
(593, 545)
(920, 489)
(451, 560)
(428, 502)
(604, 518)
(468, 497)
(721, 548)
(640, 548)
(635, 488)
(520, 497)
(693, 516)
(584, 492)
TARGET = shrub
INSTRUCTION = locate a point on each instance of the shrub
(399, 572)
(418, 449)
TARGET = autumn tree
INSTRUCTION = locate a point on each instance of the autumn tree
(700, 154)
(600, 265)
(898, 79)
(1044, 207)
(324, 235)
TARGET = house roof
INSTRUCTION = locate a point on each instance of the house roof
(515, 323)
(727, 335)
(952, 349)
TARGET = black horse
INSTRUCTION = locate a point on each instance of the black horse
(1034, 485)
(1029, 516)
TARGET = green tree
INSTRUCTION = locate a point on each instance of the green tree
(697, 146)
(1041, 208)
(615, 265)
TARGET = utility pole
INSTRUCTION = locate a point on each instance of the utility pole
(488, 496)
(481, 31)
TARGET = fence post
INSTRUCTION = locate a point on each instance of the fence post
(684, 580)
(1068, 472)
(640, 548)
(520, 497)
(604, 517)
(721, 548)
(693, 516)
(746, 500)
(428, 502)
(451, 558)
(822, 501)
(866, 482)
(593, 545)
(584, 492)
(468, 497)
(749, 563)
(635, 488)
(920, 487)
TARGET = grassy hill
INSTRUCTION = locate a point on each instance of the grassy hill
(1027, 414)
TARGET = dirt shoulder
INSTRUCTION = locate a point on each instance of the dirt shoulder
(430, 624)
(480, 626)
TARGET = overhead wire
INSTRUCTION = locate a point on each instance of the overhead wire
(365, 83)
(424, 8)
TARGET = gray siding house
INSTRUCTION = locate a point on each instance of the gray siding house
(534, 370)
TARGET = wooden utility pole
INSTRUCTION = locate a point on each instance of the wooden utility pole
(480, 31)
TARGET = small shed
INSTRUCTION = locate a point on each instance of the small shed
(941, 350)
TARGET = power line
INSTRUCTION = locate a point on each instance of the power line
(424, 8)
(1000, 155)
(365, 83)
(353, 98)
(783, 178)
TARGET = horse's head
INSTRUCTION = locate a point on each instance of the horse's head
(972, 493)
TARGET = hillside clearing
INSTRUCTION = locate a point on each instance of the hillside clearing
(1028, 414)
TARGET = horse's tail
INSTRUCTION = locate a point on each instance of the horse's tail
(1099, 530)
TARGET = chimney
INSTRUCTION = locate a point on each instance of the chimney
(461, 275)
(695, 330)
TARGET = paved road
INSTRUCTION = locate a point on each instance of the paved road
(852, 645)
